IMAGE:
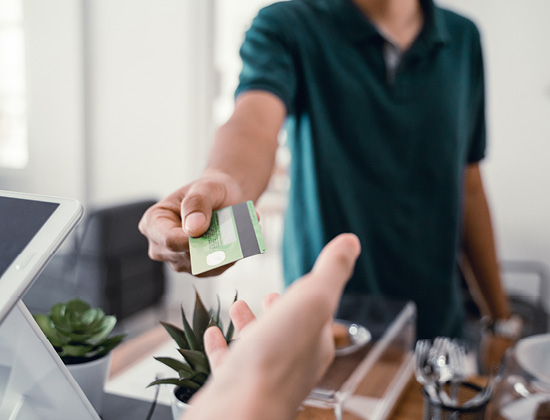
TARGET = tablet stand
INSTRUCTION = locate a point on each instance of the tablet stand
(34, 382)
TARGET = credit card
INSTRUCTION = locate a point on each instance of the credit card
(234, 233)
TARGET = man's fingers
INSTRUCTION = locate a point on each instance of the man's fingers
(196, 208)
(163, 227)
(196, 213)
(196, 223)
(215, 346)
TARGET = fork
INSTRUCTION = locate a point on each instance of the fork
(457, 365)
(439, 361)
(422, 375)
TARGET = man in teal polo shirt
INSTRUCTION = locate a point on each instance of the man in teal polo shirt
(384, 109)
(376, 150)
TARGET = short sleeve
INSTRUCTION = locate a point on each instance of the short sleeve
(477, 132)
(267, 60)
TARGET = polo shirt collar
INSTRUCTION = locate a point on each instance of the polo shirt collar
(360, 28)
(435, 29)
(353, 21)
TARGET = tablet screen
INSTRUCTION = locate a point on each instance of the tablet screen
(21, 220)
(32, 227)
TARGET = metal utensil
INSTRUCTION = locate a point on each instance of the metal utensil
(422, 374)
(457, 365)
(482, 395)
(439, 362)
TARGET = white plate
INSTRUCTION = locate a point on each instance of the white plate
(358, 335)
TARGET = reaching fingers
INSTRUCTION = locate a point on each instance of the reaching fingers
(319, 291)
(269, 300)
(215, 347)
(241, 315)
(337, 260)
(214, 341)
(333, 268)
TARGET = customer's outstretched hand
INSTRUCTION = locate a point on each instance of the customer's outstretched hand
(280, 357)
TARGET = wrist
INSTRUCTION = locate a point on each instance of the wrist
(510, 328)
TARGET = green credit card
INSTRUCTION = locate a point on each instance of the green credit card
(234, 233)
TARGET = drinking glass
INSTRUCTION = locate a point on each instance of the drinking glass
(522, 389)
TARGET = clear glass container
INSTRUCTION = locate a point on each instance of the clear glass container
(522, 390)
(368, 381)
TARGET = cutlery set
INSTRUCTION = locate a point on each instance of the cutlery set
(440, 369)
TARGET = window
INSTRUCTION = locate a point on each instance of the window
(13, 107)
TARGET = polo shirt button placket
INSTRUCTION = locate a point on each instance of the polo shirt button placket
(401, 87)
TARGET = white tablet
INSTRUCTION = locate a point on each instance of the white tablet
(31, 229)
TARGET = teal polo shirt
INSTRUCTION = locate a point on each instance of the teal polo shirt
(381, 157)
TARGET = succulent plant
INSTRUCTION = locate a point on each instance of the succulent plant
(79, 332)
(193, 369)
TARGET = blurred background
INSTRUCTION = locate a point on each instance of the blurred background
(115, 101)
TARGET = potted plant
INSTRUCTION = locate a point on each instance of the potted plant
(81, 336)
(193, 369)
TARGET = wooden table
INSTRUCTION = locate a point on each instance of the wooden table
(408, 406)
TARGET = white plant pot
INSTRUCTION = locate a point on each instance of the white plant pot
(91, 377)
(178, 406)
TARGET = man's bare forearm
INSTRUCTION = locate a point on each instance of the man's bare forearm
(245, 146)
(479, 245)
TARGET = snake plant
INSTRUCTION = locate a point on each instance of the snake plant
(193, 369)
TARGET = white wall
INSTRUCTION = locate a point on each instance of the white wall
(55, 94)
(150, 96)
(232, 19)
(149, 93)
(120, 97)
